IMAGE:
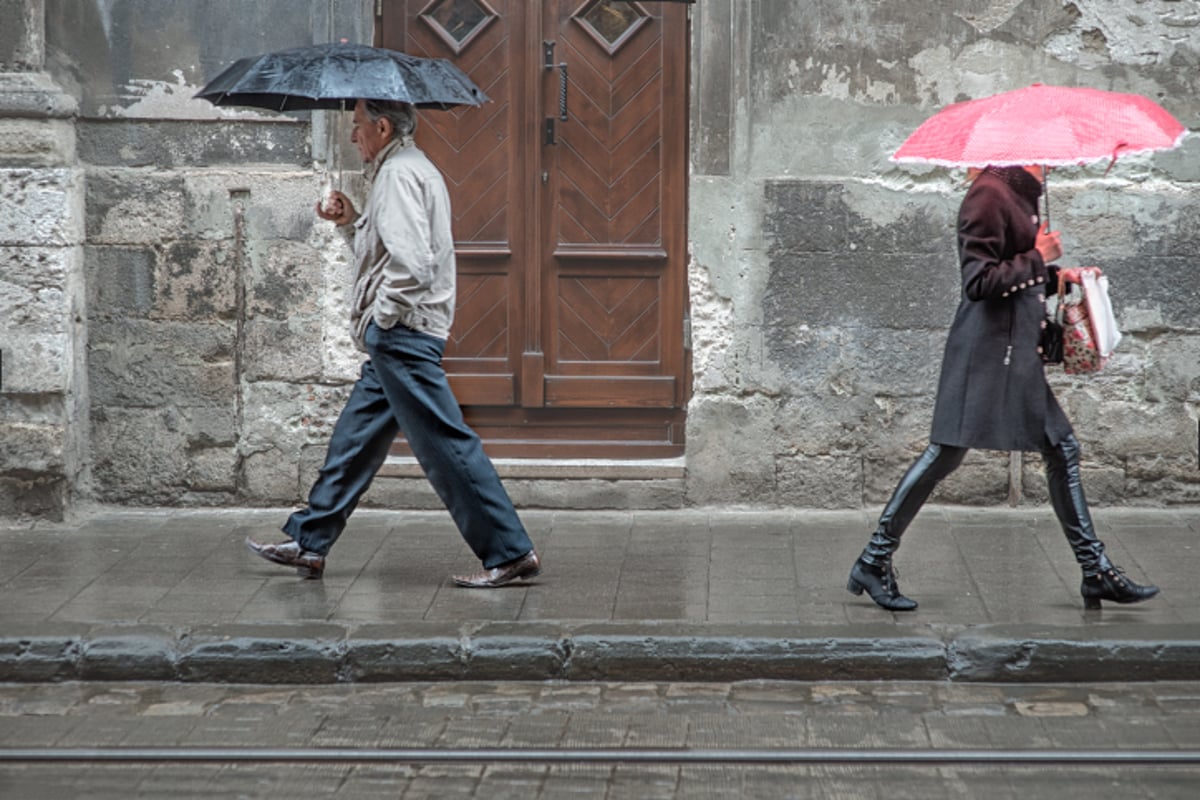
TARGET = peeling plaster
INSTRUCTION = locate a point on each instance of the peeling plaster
(153, 99)
(993, 16)
(713, 319)
(1142, 33)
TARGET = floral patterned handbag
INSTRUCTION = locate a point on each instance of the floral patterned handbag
(1077, 307)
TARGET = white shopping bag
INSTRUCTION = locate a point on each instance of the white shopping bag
(1104, 322)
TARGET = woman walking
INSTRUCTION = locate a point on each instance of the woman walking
(992, 392)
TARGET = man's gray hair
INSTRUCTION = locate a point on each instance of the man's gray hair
(402, 115)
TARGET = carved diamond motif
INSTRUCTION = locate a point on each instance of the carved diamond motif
(611, 22)
(458, 22)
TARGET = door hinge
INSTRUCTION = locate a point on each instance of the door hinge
(378, 8)
(687, 331)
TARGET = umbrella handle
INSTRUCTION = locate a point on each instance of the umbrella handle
(1046, 195)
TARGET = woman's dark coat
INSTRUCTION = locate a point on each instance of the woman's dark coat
(993, 392)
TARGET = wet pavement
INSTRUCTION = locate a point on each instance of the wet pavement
(573, 719)
(709, 595)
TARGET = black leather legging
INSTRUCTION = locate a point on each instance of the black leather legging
(939, 460)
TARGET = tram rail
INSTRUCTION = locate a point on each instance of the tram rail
(550, 756)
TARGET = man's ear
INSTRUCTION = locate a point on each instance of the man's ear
(386, 128)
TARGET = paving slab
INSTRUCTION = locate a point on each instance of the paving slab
(686, 595)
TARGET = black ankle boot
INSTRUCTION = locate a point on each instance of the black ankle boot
(880, 583)
(1112, 585)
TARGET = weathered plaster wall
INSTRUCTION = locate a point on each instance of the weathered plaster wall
(173, 320)
(824, 277)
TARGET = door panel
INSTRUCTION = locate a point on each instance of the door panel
(569, 332)
(478, 151)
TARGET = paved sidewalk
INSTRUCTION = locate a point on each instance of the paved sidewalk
(697, 594)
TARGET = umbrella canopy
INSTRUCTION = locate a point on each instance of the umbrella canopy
(1048, 125)
(333, 76)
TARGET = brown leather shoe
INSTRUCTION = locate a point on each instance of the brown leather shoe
(523, 568)
(307, 563)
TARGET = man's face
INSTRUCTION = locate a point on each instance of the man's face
(370, 135)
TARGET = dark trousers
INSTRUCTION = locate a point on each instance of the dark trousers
(939, 460)
(404, 388)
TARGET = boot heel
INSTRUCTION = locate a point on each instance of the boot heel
(1091, 603)
(311, 573)
(854, 587)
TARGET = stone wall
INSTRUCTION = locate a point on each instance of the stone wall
(824, 276)
(174, 323)
(215, 352)
(43, 401)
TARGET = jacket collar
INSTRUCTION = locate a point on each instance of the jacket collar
(397, 143)
(1020, 181)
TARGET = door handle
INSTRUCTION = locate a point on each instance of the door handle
(563, 80)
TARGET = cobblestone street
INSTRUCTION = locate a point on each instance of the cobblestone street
(736, 717)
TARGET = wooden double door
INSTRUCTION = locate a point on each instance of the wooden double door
(569, 192)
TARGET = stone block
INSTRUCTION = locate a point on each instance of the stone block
(1169, 369)
(1166, 286)
(284, 278)
(138, 363)
(30, 449)
(820, 482)
(39, 207)
(583, 494)
(32, 656)
(35, 363)
(127, 207)
(845, 361)
(212, 469)
(289, 416)
(196, 279)
(731, 447)
(168, 145)
(262, 654)
(283, 350)
(409, 493)
(275, 205)
(35, 496)
(140, 457)
(1117, 429)
(804, 216)
(271, 476)
(36, 142)
(132, 653)
(840, 290)
(120, 280)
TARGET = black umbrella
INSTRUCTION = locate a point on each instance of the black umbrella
(333, 76)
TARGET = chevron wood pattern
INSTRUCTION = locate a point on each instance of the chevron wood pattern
(481, 318)
(610, 158)
(608, 319)
(472, 145)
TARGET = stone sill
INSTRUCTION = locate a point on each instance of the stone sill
(559, 469)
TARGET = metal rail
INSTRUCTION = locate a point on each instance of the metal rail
(338, 755)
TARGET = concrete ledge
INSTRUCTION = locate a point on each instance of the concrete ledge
(640, 651)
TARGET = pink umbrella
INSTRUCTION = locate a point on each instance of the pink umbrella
(1048, 125)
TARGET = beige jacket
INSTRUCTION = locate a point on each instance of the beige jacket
(403, 247)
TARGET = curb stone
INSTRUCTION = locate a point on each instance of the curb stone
(669, 651)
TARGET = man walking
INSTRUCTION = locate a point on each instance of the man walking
(402, 307)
